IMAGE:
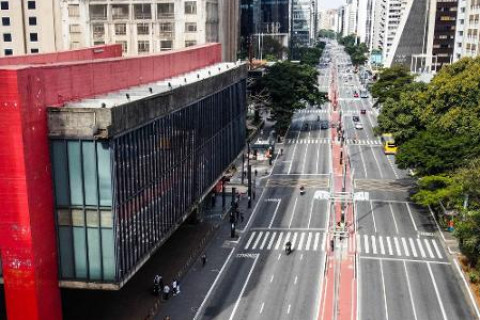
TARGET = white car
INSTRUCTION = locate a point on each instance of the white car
(358, 125)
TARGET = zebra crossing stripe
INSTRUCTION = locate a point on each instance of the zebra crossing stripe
(294, 239)
(397, 246)
(287, 238)
(258, 240)
(279, 241)
(430, 252)
(309, 240)
(436, 249)
(264, 240)
(250, 240)
(405, 247)
(422, 252)
(366, 244)
(315, 243)
(374, 245)
(412, 246)
(382, 248)
(272, 239)
(390, 251)
(300, 244)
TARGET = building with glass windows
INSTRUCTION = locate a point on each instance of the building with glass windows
(102, 160)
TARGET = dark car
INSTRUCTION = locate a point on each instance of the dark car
(363, 111)
(324, 125)
(356, 118)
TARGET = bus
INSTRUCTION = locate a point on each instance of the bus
(389, 146)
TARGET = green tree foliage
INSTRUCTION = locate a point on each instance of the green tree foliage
(310, 56)
(433, 189)
(273, 49)
(324, 33)
(357, 52)
(468, 233)
(391, 83)
(290, 87)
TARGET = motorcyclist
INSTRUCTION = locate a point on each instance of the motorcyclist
(288, 247)
(302, 189)
(157, 284)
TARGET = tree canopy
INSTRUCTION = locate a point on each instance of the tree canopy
(324, 33)
(391, 83)
(356, 52)
(310, 56)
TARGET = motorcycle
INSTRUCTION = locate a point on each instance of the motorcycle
(302, 190)
(288, 247)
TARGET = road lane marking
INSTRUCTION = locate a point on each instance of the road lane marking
(296, 278)
(293, 213)
(422, 252)
(310, 215)
(261, 308)
(287, 238)
(472, 299)
(279, 241)
(393, 216)
(384, 290)
(439, 254)
(378, 163)
(397, 246)
(315, 243)
(374, 245)
(411, 217)
(403, 259)
(382, 247)
(410, 290)
(439, 299)
(274, 214)
(293, 155)
(405, 247)
(271, 278)
(324, 239)
(302, 238)
(250, 240)
(255, 244)
(363, 161)
(429, 249)
(289, 307)
(365, 238)
(412, 246)
(294, 239)
(272, 240)
(390, 251)
(264, 240)
(309, 239)
(373, 217)
(243, 289)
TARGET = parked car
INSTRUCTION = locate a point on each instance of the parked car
(324, 124)
(363, 111)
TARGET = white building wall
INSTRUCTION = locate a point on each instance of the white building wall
(460, 30)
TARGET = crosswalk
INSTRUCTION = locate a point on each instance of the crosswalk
(324, 111)
(275, 240)
(308, 141)
(405, 247)
(364, 142)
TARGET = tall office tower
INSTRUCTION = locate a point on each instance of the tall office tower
(441, 43)
(328, 19)
(394, 11)
(350, 18)
(364, 18)
(379, 23)
(302, 23)
(470, 47)
(29, 26)
(460, 30)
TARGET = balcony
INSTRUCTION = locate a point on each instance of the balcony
(120, 12)
(98, 12)
(142, 11)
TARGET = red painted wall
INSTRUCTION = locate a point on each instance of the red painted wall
(94, 53)
(27, 230)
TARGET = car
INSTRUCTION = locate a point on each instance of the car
(306, 126)
(358, 125)
(324, 124)
(355, 94)
(363, 111)
(356, 118)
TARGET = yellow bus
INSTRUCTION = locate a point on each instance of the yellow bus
(389, 146)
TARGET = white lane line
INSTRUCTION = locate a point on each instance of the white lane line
(272, 240)
(378, 163)
(310, 215)
(293, 155)
(264, 240)
(294, 239)
(293, 213)
(405, 247)
(279, 241)
(302, 238)
(232, 315)
(389, 244)
(442, 308)
(410, 290)
(374, 245)
(429, 249)
(279, 255)
(412, 246)
(439, 254)
(373, 217)
(296, 279)
(472, 299)
(255, 244)
(274, 214)
(315, 243)
(384, 290)
(289, 307)
(411, 217)
(309, 240)
(393, 216)
(306, 156)
(367, 249)
(261, 308)
(358, 243)
(271, 278)
(422, 252)
(397, 246)
(287, 238)
(363, 161)
(382, 247)
(250, 240)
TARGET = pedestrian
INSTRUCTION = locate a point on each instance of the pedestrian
(166, 292)
(256, 172)
(204, 259)
(174, 287)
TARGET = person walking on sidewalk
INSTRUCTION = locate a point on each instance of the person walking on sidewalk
(174, 287)
(204, 259)
(166, 292)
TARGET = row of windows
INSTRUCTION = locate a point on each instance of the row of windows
(32, 21)
(4, 5)
(9, 52)
(7, 37)
(141, 11)
(143, 46)
(98, 29)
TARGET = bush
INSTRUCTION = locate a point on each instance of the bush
(473, 276)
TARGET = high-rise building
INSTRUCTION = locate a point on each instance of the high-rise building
(471, 35)
(378, 27)
(394, 11)
(328, 19)
(443, 40)
(31, 26)
(460, 29)
(303, 23)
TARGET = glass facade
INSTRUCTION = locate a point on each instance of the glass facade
(117, 200)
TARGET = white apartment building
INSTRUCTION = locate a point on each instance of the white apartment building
(394, 11)
(328, 19)
(29, 26)
(350, 18)
(378, 27)
(471, 32)
(460, 30)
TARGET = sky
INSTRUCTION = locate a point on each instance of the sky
(331, 4)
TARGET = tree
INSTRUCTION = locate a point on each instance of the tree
(273, 49)
(310, 56)
(357, 52)
(290, 87)
(391, 83)
(324, 33)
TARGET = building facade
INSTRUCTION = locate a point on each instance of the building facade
(328, 19)
(29, 26)
(444, 33)
(460, 30)
(471, 35)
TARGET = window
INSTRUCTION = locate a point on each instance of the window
(120, 29)
(124, 46)
(75, 28)
(34, 50)
(5, 21)
(190, 27)
(98, 29)
(166, 45)
(142, 28)
(73, 10)
(166, 27)
(189, 43)
(143, 46)
(165, 10)
(7, 37)
(120, 11)
(8, 52)
(190, 7)
(31, 5)
(32, 21)
(142, 11)
(33, 37)
(74, 45)
(4, 6)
